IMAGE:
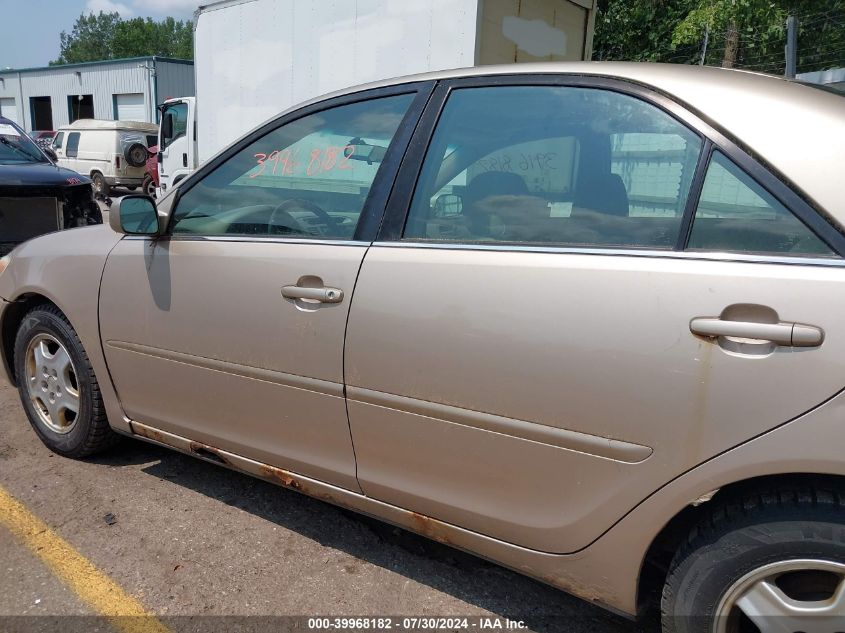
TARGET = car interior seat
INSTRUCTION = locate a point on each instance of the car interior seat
(602, 193)
(486, 185)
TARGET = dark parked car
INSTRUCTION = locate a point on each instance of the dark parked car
(36, 195)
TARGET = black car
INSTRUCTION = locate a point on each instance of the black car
(36, 195)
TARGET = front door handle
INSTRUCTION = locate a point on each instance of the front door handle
(784, 334)
(321, 295)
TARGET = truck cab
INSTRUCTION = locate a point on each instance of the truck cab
(177, 141)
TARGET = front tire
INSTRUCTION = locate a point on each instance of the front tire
(101, 187)
(57, 386)
(765, 562)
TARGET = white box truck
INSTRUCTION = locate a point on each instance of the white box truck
(256, 58)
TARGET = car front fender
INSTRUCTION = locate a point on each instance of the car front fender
(65, 269)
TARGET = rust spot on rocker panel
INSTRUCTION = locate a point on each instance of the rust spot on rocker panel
(150, 434)
(428, 527)
(292, 481)
(572, 586)
(416, 522)
(283, 477)
(209, 452)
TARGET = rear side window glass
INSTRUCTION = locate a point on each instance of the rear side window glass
(554, 165)
(57, 141)
(72, 148)
(736, 214)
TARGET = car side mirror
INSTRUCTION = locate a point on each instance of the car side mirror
(51, 153)
(134, 215)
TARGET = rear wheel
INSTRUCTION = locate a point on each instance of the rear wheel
(772, 562)
(57, 385)
(100, 185)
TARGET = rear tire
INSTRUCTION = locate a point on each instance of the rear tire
(101, 187)
(148, 187)
(55, 377)
(754, 558)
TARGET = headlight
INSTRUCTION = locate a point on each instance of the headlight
(4, 261)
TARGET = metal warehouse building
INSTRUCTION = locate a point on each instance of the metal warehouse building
(125, 89)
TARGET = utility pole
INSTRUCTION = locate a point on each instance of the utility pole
(706, 42)
(791, 46)
(731, 45)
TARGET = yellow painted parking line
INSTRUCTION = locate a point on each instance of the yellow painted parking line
(92, 586)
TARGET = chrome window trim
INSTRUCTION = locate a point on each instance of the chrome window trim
(247, 238)
(749, 258)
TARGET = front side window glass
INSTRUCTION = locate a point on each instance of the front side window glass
(554, 165)
(735, 214)
(57, 141)
(307, 178)
(178, 115)
(17, 147)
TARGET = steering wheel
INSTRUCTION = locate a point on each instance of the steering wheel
(298, 203)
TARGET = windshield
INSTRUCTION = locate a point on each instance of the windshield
(16, 147)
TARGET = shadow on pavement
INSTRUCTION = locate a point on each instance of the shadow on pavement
(464, 576)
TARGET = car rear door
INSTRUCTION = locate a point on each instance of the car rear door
(583, 292)
(229, 329)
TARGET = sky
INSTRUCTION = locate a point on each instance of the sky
(30, 28)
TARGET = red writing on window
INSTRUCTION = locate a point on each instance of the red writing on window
(321, 160)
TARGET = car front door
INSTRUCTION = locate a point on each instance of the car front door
(229, 329)
(590, 292)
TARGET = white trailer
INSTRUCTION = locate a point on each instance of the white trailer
(255, 58)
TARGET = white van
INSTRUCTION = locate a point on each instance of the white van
(112, 153)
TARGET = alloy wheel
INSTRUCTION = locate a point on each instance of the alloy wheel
(794, 596)
(52, 383)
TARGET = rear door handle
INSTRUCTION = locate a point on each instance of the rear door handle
(784, 334)
(321, 295)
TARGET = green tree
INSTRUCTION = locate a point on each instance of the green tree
(743, 33)
(641, 30)
(762, 20)
(90, 39)
(108, 36)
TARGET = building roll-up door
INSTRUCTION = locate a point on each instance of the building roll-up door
(130, 107)
(8, 109)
